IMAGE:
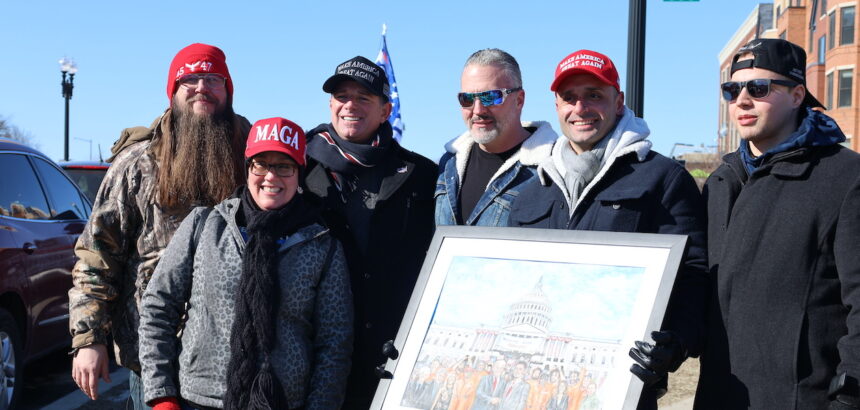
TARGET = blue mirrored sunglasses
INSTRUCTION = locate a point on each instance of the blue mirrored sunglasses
(488, 98)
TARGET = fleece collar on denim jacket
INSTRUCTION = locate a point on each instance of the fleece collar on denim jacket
(535, 149)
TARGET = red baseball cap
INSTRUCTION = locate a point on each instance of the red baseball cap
(198, 58)
(279, 135)
(586, 62)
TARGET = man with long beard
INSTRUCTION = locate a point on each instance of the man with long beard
(190, 156)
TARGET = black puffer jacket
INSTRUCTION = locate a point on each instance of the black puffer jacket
(783, 248)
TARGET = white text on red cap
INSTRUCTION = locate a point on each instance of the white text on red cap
(581, 59)
(287, 135)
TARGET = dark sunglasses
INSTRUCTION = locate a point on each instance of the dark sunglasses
(758, 88)
(488, 98)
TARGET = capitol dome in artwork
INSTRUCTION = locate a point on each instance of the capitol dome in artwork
(532, 313)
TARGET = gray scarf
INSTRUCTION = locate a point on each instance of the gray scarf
(578, 170)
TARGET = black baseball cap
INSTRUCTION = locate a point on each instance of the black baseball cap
(362, 71)
(779, 56)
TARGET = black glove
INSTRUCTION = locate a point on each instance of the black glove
(655, 361)
(390, 352)
(843, 402)
(844, 393)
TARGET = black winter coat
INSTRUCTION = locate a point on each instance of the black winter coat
(783, 248)
(656, 195)
(400, 232)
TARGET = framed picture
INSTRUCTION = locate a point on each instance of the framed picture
(510, 318)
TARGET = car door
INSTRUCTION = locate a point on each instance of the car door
(69, 212)
(37, 268)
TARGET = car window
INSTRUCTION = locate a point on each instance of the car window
(88, 180)
(21, 194)
(65, 198)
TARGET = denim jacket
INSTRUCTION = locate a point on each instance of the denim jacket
(494, 206)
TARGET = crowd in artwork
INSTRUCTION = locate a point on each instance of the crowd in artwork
(444, 383)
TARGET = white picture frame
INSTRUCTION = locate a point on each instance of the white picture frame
(492, 303)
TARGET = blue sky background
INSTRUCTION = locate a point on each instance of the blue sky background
(587, 300)
(280, 53)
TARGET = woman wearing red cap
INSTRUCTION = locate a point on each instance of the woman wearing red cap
(257, 291)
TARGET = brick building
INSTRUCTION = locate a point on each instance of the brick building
(826, 30)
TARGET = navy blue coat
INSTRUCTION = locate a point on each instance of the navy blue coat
(656, 195)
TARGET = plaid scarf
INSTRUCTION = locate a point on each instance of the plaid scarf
(342, 159)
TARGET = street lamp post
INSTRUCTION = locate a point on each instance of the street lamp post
(636, 57)
(68, 68)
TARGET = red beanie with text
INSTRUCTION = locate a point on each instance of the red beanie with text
(198, 58)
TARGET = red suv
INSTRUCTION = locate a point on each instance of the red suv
(42, 213)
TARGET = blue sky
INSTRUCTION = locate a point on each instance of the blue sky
(280, 53)
(587, 300)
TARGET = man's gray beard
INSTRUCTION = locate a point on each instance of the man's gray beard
(484, 137)
(204, 168)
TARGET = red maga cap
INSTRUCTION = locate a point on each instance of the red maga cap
(279, 135)
(586, 62)
(198, 58)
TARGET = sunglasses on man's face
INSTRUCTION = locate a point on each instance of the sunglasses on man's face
(758, 88)
(487, 98)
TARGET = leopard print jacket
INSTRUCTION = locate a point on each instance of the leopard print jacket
(198, 276)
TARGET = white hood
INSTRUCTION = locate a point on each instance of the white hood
(629, 135)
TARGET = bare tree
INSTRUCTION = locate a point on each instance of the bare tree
(13, 132)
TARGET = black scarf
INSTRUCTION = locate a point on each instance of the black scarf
(251, 381)
(344, 159)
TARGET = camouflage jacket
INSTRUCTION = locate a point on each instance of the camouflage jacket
(121, 245)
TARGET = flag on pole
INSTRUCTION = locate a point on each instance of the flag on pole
(384, 60)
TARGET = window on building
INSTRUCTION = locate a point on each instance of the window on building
(823, 7)
(831, 30)
(822, 41)
(828, 91)
(846, 25)
(778, 11)
(846, 83)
